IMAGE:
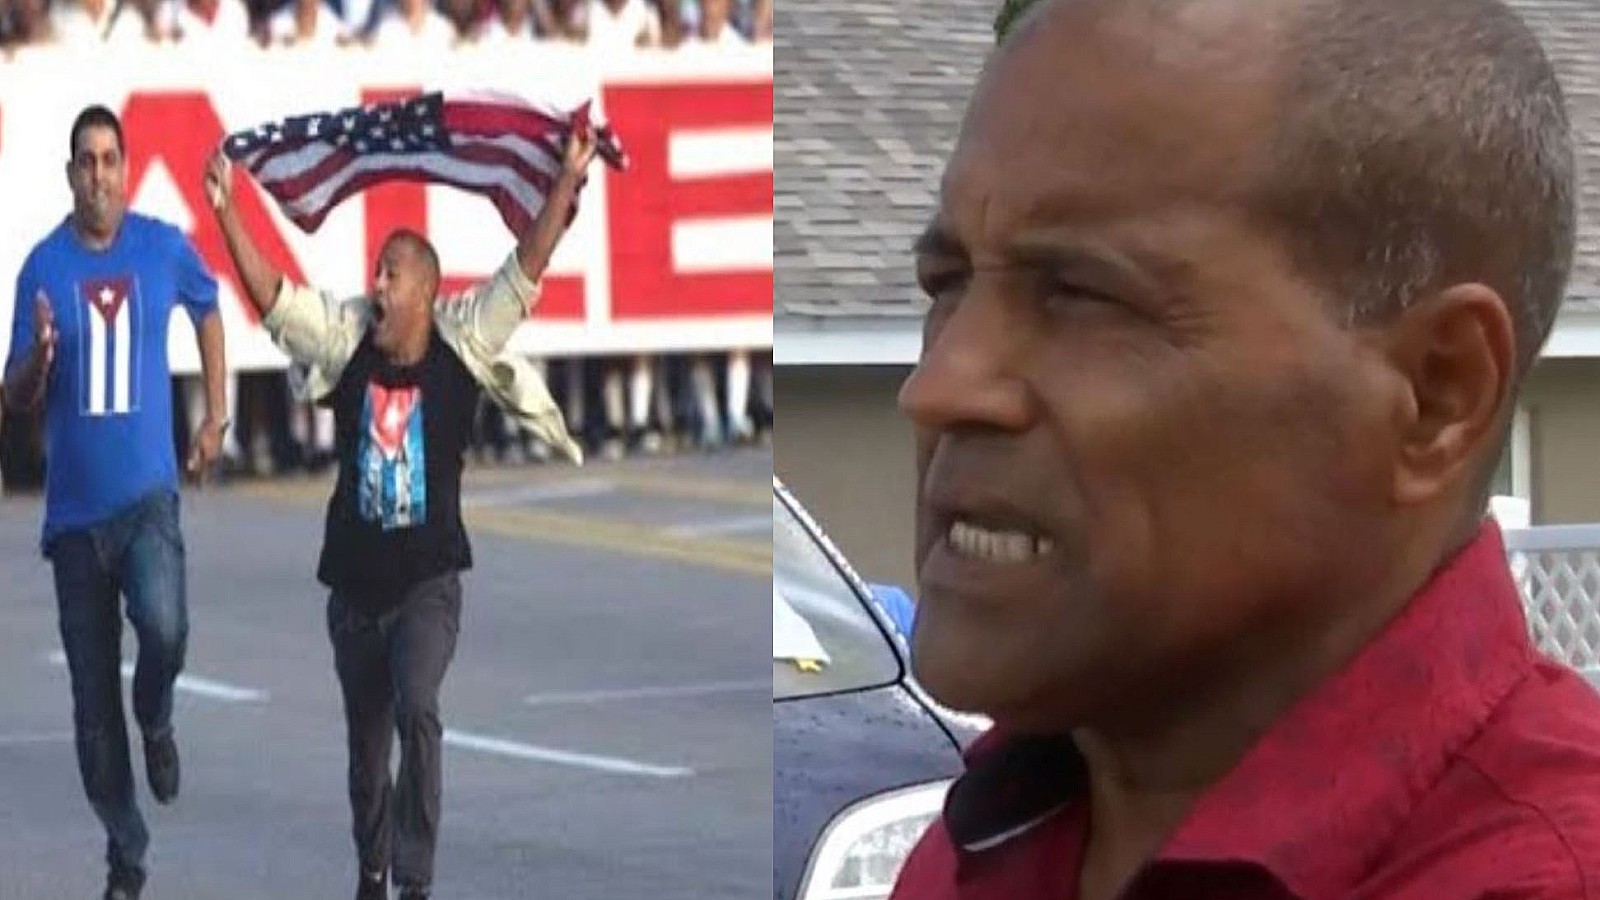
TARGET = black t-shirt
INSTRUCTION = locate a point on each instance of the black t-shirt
(395, 516)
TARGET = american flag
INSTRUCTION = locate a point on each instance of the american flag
(500, 146)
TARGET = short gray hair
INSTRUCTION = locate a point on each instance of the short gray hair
(1425, 143)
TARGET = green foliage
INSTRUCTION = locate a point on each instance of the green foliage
(1010, 12)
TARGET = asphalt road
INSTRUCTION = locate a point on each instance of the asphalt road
(607, 713)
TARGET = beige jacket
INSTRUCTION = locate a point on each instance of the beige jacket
(320, 332)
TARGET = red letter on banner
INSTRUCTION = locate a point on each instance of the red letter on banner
(181, 129)
(644, 202)
(405, 205)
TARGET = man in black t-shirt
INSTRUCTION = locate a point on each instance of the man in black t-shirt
(402, 371)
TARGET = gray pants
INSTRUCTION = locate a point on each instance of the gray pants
(390, 668)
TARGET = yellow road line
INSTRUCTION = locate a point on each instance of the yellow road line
(754, 492)
(744, 492)
(745, 557)
(299, 490)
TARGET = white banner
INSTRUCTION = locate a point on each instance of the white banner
(673, 254)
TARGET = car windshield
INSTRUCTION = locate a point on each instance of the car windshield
(824, 639)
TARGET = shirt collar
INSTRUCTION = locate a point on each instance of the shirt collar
(1319, 795)
(1012, 783)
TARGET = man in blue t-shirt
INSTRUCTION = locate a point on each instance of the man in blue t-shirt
(89, 342)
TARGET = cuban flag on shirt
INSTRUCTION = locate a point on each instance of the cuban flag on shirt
(393, 487)
(109, 353)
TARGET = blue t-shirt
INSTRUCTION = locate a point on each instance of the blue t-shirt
(108, 407)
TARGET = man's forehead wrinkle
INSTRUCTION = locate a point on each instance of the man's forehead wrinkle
(981, 216)
(964, 195)
(972, 218)
(1179, 37)
(1100, 113)
(1029, 158)
(994, 185)
(989, 229)
(985, 207)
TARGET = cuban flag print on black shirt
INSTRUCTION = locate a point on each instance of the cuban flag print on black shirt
(393, 489)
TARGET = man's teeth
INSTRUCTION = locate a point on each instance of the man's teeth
(996, 546)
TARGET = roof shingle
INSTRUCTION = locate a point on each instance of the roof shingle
(868, 102)
(1570, 30)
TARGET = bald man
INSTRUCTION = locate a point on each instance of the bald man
(402, 372)
(1226, 328)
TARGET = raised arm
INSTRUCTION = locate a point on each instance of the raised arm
(535, 247)
(313, 328)
(491, 312)
(260, 279)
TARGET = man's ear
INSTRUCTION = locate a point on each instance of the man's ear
(1457, 352)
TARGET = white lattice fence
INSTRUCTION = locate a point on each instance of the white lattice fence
(1557, 568)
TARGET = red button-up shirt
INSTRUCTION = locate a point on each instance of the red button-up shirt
(1446, 761)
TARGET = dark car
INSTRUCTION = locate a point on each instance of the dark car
(861, 756)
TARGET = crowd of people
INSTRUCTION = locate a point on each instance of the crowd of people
(615, 407)
(357, 23)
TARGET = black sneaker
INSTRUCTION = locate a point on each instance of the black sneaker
(413, 893)
(372, 887)
(161, 767)
(124, 884)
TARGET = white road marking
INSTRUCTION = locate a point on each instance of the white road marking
(43, 737)
(553, 698)
(519, 750)
(204, 687)
(724, 525)
(538, 493)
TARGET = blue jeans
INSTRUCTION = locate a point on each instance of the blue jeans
(137, 554)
